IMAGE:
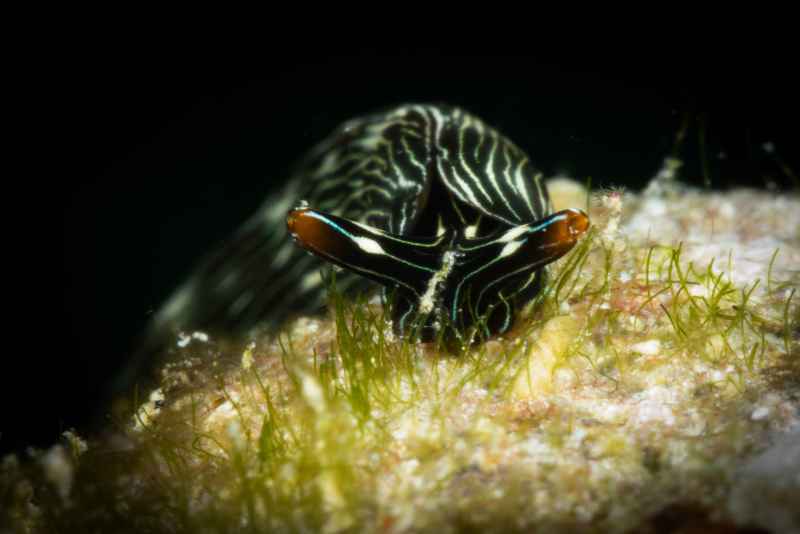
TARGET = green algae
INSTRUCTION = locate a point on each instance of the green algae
(641, 378)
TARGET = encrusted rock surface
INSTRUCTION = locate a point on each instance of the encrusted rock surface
(658, 382)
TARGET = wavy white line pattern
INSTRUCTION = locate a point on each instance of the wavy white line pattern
(414, 170)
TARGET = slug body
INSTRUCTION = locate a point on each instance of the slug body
(445, 213)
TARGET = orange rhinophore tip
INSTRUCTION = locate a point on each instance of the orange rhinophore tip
(310, 230)
(565, 227)
(294, 217)
(577, 222)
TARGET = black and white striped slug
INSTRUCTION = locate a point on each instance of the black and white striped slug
(440, 209)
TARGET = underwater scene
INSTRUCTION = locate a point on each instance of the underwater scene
(429, 304)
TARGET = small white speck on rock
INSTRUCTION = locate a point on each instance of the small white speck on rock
(650, 347)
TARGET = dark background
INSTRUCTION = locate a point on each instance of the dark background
(162, 153)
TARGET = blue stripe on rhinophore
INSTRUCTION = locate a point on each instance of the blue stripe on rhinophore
(382, 234)
(327, 221)
(352, 237)
(549, 220)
